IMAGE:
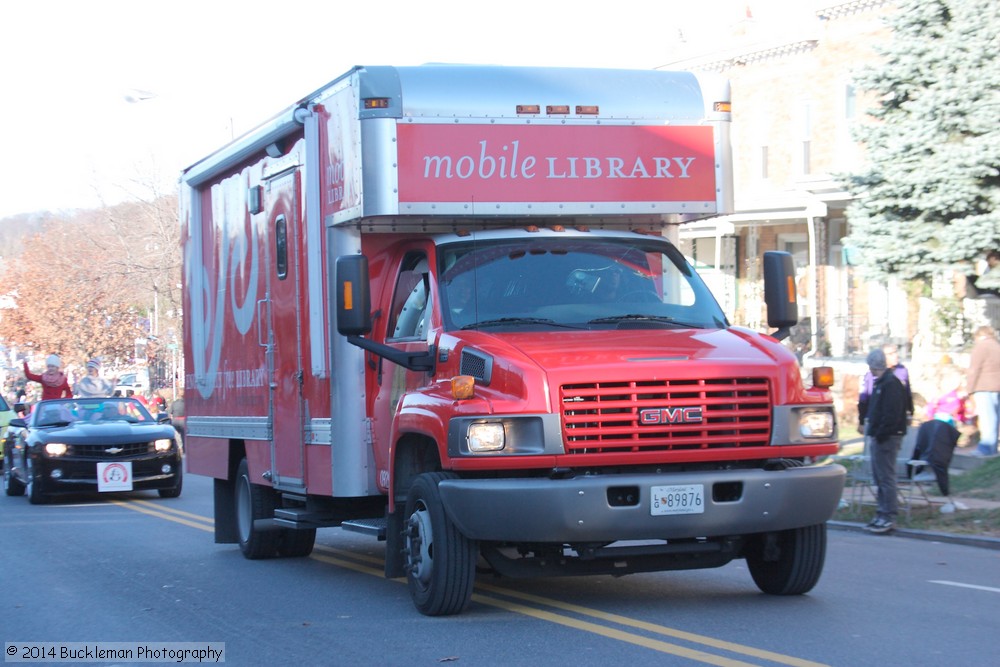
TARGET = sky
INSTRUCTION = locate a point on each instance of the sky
(103, 101)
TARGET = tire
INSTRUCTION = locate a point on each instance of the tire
(789, 562)
(35, 488)
(440, 561)
(175, 490)
(254, 501)
(296, 542)
(12, 486)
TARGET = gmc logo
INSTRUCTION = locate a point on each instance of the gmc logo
(670, 416)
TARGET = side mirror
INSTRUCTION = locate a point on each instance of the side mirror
(779, 293)
(17, 422)
(354, 303)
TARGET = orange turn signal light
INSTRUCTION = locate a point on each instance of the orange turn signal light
(463, 387)
(823, 377)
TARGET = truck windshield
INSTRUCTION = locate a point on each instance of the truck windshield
(586, 283)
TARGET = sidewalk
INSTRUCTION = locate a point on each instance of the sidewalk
(961, 462)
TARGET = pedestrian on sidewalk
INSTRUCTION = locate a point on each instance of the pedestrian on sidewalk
(983, 384)
(891, 353)
(886, 425)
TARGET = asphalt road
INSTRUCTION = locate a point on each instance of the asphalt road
(139, 569)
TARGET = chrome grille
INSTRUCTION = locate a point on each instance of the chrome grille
(603, 417)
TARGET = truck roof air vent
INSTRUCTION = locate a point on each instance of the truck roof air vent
(477, 364)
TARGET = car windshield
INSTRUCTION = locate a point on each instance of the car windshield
(586, 283)
(91, 410)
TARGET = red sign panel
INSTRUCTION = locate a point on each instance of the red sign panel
(555, 163)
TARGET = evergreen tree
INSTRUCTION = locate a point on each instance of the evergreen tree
(929, 195)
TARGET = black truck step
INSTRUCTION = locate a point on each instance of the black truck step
(300, 517)
(374, 527)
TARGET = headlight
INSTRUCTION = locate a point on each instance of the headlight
(163, 445)
(803, 424)
(486, 437)
(818, 424)
(55, 449)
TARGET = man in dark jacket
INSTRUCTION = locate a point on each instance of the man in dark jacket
(886, 427)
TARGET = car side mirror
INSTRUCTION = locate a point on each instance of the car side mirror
(17, 422)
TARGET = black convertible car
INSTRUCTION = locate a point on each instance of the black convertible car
(84, 445)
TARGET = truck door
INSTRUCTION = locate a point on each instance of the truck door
(286, 326)
(407, 322)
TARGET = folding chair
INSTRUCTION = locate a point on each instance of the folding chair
(932, 453)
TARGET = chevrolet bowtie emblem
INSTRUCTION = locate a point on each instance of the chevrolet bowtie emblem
(113, 450)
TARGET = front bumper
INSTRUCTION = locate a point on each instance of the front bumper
(80, 475)
(566, 511)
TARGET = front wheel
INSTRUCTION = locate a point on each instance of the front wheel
(789, 562)
(175, 490)
(440, 561)
(12, 486)
(35, 489)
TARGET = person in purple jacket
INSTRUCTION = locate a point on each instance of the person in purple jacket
(899, 370)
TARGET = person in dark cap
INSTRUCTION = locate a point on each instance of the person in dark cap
(887, 421)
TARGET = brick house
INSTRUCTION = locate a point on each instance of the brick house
(793, 106)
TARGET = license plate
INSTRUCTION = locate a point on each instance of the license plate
(114, 476)
(678, 499)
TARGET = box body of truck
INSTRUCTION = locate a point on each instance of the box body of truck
(440, 304)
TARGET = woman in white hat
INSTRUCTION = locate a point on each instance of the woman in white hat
(53, 380)
(92, 385)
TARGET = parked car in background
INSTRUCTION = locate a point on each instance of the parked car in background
(138, 383)
(92, 445)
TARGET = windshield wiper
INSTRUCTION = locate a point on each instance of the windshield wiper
(636, 317)
(58, 423)
(502, 321)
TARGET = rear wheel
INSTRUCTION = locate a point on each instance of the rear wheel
(440, 561)
(789, 562)
(296, 542)
(11, 485)
(254, 501)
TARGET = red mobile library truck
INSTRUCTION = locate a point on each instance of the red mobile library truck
(439, 305)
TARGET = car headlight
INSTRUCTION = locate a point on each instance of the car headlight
(486, 437)
(163, 444)
(55, 449)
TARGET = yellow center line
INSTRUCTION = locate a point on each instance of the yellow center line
(162, 515)
(587, 611)
(152, 509)
(170, 510)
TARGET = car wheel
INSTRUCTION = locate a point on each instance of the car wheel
(789, 562)
(440, 561)
(12, 486)
(254, 501)
(175, 490)
(35, 489)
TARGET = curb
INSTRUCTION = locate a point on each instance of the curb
(948, 538)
